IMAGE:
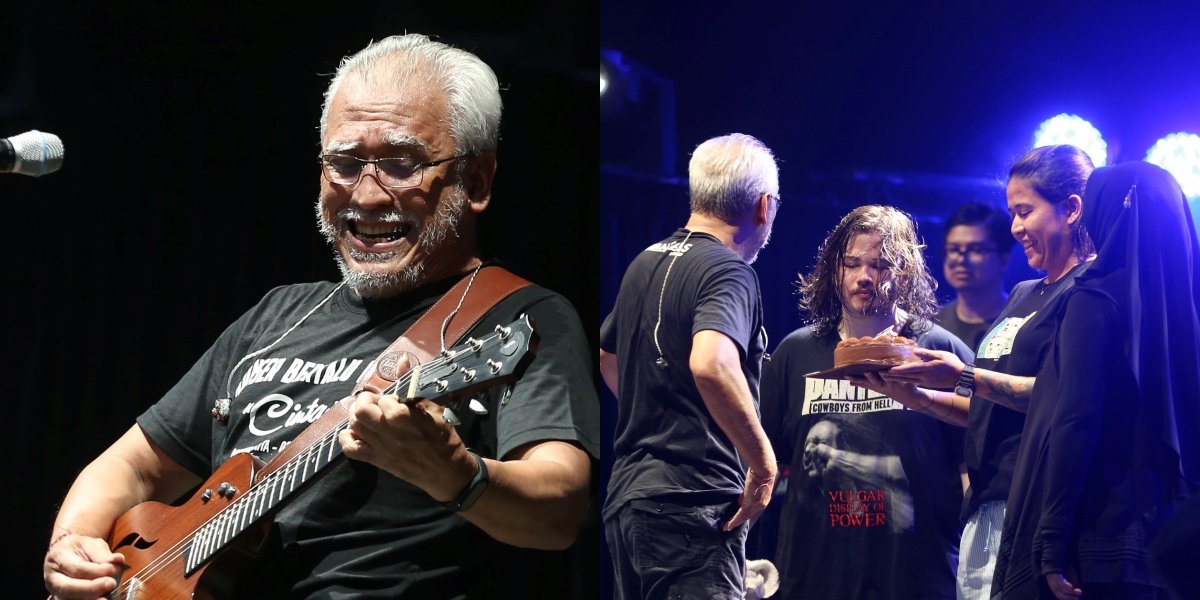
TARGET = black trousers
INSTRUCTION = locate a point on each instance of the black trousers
(670, 551)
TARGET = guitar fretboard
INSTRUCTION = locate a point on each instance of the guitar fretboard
(260, 500)
(473, 366)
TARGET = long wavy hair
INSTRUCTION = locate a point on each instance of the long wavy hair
(907, 284)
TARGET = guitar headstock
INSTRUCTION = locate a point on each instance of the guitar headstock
(475, 365)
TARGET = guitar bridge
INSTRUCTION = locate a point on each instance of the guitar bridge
(130, 590)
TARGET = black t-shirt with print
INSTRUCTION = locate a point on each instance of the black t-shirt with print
(360, 531)
(666, 443)
(970, 333)
(1016, 345)
(872, 500)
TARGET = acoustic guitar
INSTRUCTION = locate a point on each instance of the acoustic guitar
(200, 548)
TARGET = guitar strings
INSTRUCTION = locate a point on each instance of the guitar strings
(175, 551)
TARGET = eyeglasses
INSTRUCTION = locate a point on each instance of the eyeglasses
(400, 172)
(976, 251)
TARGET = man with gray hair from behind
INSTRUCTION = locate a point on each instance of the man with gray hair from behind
(681, 351)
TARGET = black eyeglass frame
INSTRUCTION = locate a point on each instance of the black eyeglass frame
(418, 169)
(976, 250)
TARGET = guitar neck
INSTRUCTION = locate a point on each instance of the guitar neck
(301, 463)
(469, 368)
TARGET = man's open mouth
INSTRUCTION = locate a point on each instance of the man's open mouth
(377, 233)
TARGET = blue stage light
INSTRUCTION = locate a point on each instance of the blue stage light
(1179, 154)
(637, 118)
(1076, 131)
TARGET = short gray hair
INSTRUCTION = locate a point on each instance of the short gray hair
(472, 91)
(728, 174)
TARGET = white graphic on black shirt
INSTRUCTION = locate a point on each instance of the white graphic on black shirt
(674, 248)
(838, 396)
(263, 447)
(999, 340)
(265, 369)
(273, 412)
(860, 481)
(276, 411)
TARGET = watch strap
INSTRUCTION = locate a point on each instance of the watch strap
(474, 489)
(966, 381)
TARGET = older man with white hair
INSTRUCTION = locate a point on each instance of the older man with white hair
(682, 350)
(431, 497)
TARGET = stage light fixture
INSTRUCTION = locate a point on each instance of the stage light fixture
(637, 117)
(618, 82)
(1076, 131)
(1179, 154)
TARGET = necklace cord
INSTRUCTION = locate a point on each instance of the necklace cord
(229, 380)
(663, 291)
(461, 299)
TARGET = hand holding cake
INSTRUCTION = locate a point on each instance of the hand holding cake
(929, 368)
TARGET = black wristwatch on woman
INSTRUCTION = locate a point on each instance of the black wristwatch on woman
(966, 382)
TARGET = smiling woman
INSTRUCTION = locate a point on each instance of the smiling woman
(1045, 188)
(1108, 451)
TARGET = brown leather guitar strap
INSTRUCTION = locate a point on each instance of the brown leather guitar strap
(477, 293)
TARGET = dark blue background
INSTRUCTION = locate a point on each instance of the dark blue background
(922, 105)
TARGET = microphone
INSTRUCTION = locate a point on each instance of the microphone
(32, 153)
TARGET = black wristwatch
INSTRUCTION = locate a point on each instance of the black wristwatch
(966, 382)
(467, 497)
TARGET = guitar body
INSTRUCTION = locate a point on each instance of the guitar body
(151, 535)
(203, 547)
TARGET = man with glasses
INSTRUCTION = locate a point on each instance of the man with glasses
(978, 246)
(431, 502)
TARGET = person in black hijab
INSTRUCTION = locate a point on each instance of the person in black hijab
(1111, 445)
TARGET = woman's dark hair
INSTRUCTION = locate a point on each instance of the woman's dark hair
(1055, 173)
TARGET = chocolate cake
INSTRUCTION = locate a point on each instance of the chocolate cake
(887, 350)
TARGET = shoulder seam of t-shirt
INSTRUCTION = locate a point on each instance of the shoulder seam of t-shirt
(540, 433)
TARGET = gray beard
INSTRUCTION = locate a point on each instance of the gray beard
(370, 284)
(766, 239)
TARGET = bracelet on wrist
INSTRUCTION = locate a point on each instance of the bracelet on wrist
(949, 408)
(58, 538)
(925, 407)
(754, 476)
(758, 490)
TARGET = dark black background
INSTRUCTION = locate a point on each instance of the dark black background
(188, 189)
(191, 137)
(922, 105)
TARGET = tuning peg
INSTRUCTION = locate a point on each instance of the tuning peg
(450, 417)
(477, 407)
